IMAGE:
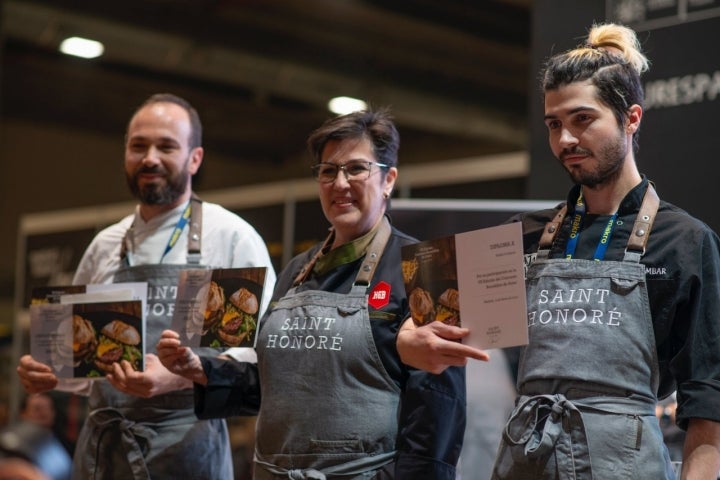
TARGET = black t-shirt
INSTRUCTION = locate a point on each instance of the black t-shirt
(682, 268)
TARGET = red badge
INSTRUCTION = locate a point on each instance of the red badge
(380, 296)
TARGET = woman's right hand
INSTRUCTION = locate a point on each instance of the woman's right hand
(35, 377)
(435, 346)
(179, 359)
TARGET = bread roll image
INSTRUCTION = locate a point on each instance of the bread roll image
(448, 308)
(84, 339)
(422, 307)
(245, 301)
(118, 341)
(239, 321)
(215, 308)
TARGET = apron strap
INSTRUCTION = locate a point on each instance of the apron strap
(372, 257)
(374, 252)
(194, 235)
(643, 223)
(544, 424)
(640, 232)
(292, 474)
(552, 228)
(106, 420)
(353, 468)
(195, 231)
(307, 268)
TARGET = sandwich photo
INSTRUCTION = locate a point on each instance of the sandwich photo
(422, 307)
(238, 322)
(84, 339)
(118, 341)
(448, 307)
(215, 308)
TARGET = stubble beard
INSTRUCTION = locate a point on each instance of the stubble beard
(610, 160)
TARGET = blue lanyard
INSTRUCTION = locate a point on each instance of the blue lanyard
(575, 232)
(175, 235)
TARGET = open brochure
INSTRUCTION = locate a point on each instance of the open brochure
(81, 330)
(472, 279)
(219, 308)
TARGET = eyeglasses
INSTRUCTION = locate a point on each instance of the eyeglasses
(355, 171)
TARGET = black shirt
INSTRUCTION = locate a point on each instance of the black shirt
(682, 269)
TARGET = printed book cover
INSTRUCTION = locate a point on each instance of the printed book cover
(472, 279)
(81, 330)
(219, 308)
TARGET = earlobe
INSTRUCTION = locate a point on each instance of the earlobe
(196, 158)
(633, 119)
(390, 177)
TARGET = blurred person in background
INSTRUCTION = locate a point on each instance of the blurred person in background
(38, 408)
(30, 451)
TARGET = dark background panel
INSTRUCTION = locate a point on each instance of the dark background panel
(51, 258)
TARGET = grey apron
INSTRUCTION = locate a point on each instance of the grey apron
(127, 437)
(329, 408)
(589, 375)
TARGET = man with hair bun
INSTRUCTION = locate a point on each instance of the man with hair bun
(623, 295)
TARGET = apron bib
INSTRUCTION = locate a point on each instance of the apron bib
(130, 437)
(589, 374)
(320, 368)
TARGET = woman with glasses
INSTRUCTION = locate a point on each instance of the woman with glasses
(337, 402)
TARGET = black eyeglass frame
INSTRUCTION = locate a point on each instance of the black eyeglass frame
(344, 167)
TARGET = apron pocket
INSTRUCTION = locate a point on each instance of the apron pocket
(623, 286)
(615, 441)
(347, 311)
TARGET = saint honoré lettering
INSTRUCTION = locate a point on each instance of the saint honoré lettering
(309, 333)
(561, 306)
(165, 292)
(574, 295)
(161, 300)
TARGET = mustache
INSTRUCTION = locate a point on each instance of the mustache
(574, 151)
(150, 169)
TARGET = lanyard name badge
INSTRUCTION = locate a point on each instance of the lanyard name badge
(577, 222)
(174, 236)
(179, 227)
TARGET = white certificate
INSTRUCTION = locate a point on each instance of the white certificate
(473, 279)
(492, 286)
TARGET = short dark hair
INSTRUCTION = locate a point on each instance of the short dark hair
(375, 125)
(195, 139)
(611, 58)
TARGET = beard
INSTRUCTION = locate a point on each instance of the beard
(158, 193)
(610, 159)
